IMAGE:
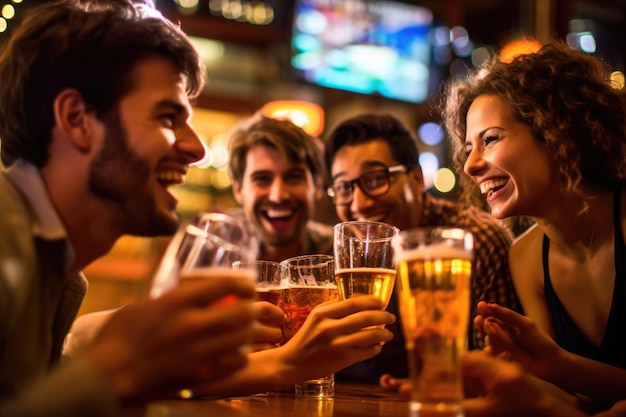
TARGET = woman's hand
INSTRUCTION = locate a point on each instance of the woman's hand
(402, 385)
(271, 319)
(336, 335)
(507, 390)
(516, 337)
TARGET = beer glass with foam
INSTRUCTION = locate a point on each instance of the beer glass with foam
(308, 281)
(205, 248)
(433, 288)
(364, 259)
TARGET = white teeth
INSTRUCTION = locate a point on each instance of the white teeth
(371, 219)
(488, 186)
(170, 177)
(278, 213)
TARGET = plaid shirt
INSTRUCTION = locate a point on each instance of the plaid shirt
(491, 281)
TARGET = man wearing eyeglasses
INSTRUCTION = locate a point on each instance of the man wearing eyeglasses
(375, 175)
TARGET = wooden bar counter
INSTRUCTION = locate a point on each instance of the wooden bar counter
(350, 400)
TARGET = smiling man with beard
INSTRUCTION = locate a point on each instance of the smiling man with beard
(94, 121)
(277, 171)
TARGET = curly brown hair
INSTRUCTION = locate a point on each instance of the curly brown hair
(567, 99)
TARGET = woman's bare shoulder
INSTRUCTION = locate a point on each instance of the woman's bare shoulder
(528, 241)
(525, 253)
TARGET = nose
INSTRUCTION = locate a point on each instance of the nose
(278, 191)
(474, 163)
(360, 201)
(190, 144)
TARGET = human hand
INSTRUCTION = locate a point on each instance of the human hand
(401, 385)
(270, 331)
(518, 338)
(618, 410)
(505, 389)
(335, 335)
(194, 333)
(84, 331)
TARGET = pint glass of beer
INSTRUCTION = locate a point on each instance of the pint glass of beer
(364, 259)
(206, 248)
(308, 281)
(433, 288)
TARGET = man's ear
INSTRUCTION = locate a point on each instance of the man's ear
(73, 118)
(237, 191)
(417, 174)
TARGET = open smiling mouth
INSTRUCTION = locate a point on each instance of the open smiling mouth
(169, 178)
(490, 187)
(275, 215)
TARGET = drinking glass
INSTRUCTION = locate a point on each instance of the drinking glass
(204, 248)
(433, 286)
(309, 281)
(364, 259)
(268, 286)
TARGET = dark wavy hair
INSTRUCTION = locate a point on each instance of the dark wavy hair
(567, 99)
(371, 126)
(90, 45)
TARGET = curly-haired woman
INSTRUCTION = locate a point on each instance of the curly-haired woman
(545, 137)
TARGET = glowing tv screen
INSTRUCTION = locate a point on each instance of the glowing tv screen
(374, 47)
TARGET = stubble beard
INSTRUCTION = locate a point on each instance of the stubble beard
(121, 176)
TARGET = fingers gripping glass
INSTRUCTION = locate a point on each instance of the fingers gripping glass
(372, 184)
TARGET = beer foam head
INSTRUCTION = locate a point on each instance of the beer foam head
(434, 251)
(219, 271)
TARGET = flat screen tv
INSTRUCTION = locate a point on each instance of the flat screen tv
(374, 47)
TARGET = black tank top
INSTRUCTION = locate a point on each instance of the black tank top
(612, 350)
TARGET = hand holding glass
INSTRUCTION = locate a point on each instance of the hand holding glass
(205, 249)
(268, 289)
(202, 248)
(309, 281)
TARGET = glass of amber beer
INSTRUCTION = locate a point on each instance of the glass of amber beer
(433, 288)
(308, 281)
(364, 259)
(268, 288)
(205, 248)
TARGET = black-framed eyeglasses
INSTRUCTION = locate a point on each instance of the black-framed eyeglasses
(372, 184)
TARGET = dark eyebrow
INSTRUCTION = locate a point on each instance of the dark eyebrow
(481, 135)
(167, 104)
(299, 170)
(261, 172)
(366, 164)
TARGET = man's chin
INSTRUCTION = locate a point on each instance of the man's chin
(157, 225)
(277, 239)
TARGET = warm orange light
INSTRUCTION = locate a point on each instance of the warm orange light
(518, 47)
(309, 116)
